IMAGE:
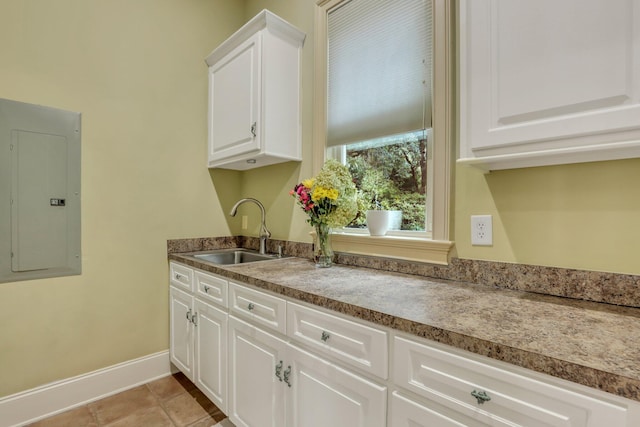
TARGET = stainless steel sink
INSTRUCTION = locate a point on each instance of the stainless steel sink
(233, 256)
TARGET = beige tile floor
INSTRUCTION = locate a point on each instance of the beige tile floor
(171, 401)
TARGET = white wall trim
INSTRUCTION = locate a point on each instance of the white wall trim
(59, 396)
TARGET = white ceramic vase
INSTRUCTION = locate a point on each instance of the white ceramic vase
(378, 222)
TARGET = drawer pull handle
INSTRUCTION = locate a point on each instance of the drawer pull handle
(206, 289)
(178, 276)
(251, 306)
(253, 129)
(287, 372)
(189, 316)
(194, 319)
(480, 396)
(325, 336)
(279, 371)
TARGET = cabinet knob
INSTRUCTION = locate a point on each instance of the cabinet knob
(206, 288)
(251, 306)
(480, 396)
(279, 371)
(253, 129)
(178, 276)
(286, 374)
(325, 336)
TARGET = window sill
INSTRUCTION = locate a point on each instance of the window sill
(406, 248)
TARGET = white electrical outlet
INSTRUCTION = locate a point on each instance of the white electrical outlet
(481, 230)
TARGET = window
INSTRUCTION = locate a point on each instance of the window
(394, 130)
(392, 173)
(379, 103)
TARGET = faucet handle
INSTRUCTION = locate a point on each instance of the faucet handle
(264, 231)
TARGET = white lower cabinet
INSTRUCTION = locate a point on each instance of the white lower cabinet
(291, 364)
(198, 331)
(275, 383)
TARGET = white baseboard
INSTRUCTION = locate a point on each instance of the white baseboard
(41, 402)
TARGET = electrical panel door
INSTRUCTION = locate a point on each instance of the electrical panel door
(39, 195)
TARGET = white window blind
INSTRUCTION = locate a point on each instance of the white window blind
(379, 76)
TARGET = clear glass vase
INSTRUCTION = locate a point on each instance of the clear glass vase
(322, 251)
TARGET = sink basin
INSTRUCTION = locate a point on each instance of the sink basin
(233, 256)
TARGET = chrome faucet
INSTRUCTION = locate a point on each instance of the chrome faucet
(264, 232)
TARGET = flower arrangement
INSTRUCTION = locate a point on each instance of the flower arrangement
(330, 197)
(330, 201)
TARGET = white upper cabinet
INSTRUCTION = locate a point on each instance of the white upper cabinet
(254, 95)
(549, 82)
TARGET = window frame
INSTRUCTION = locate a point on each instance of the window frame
(436, 249)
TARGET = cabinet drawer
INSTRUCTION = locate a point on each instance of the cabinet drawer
(409, 413)
(211, 288)
(353, 343)
(181, 276)
(258, 307)
(504, 398)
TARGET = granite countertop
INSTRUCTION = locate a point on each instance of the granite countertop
(588, 343)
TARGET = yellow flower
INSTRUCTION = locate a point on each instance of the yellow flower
(323, 192)
(308, 183)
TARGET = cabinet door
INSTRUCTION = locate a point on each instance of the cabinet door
(211, 352)
(537, 77)
(255, 391)
(322, 394)
(234, 99)
(181, 331)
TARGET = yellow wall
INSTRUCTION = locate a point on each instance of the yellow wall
(584, 216)
(136, 72)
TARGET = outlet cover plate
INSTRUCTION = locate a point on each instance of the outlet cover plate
(481, 230)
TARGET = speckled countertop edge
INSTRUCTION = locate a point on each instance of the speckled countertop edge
(584, 342)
